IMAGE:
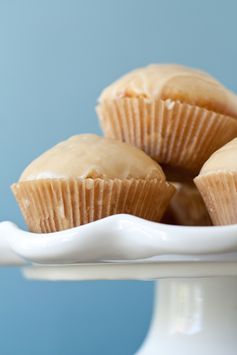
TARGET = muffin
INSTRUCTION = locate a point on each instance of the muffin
(86, 178)
(186, 207)
(179, 116)
(217, 183)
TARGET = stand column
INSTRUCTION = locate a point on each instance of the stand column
(193, 316)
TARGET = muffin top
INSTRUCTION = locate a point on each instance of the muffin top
(174, 82)
(92, 156)
(224, 159)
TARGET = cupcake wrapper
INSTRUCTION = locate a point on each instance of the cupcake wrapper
(170, 132)
(53, 205)
(187, 207)
(219, 192)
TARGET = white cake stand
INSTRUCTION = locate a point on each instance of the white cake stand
(195, 310)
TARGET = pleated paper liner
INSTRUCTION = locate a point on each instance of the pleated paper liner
(187, 207)
(219, 192)
(55, 204)
(171, 132)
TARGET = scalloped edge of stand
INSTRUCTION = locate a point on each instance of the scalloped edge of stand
(123, 238)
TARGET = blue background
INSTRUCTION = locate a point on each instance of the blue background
(55, 58)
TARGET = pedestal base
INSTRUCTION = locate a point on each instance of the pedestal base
(193, 317)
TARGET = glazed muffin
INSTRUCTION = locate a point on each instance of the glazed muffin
(177, 115)
(217, 183)
(186, 207)
(87, 178)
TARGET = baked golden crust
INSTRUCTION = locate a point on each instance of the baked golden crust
(222, 160)
(177, 83)
(92, 156)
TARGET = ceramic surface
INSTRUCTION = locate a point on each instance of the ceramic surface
(123, 238)
(193, 317)
(129, 271)
(195, 312)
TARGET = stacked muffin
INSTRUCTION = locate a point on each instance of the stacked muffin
(177, 115)
(87, 178)
(180, 117)
(162, 114)
(217, 183)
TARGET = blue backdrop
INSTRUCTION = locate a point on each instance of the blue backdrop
(55, 58)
